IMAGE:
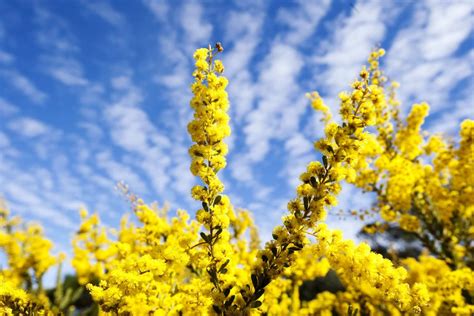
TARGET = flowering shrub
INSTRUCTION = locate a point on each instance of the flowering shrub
(159, 264)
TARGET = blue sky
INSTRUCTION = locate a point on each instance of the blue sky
(94, 92)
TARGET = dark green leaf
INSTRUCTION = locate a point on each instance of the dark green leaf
(229, 301)
(217, 199)
(227, 291)
(254, 280)
(224, 265)
(205, 206)
(258, 293)
(325, 159)
(313, 182)
(216, 309)
(205, 237)
(256, 304)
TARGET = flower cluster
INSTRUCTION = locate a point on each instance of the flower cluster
(161, 262)
(208, 129)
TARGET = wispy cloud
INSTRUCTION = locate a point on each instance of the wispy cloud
(25, 85)
(243, 34)
(277, 87)
(196, 29)
(66, 70)
(302, 20)
(160, 9)
(120, 172)
(105, 11)
(6, 58)
(53, 32)
(6, 108)
(433, 35)
(29, 127)
(341, 55)
(59, 49)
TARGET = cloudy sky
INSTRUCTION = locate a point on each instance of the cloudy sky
(94, 92)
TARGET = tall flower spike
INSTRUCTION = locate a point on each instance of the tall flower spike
(208, 130)
(320, 183)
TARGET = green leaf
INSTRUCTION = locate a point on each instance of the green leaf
(299, 245)
(205, 237)
(219, 231)
(313, 181)
(224, 265)
(258, 293)
(325, 159)
(254, 280)
(216, 309)
(256, 304)
(227, 291)
(205, 206)
(229, 301)
(217, 199)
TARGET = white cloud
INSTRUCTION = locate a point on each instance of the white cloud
(299, 152)
(93, 131)
(23, 84)
(277, 86)
(65, 69)
(6, 108)
(303, 20)
(422, 56)
(243, 33)
(132, 130)
(4, 141)
(130, 127)
(120, 172)
(105, 11)
(29, 127)
(53, 32)
(160, 9)
(448, 25)
(350, 198)
(6, 58)
(197, 31)
(349, 46)
(448, 120)
(92, 94)
(297, 144)
(32, 194)
(120, 82)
